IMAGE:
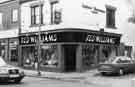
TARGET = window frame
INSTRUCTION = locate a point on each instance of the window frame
(33, 15)
(14, 14)
(53, 12)
(110, 20)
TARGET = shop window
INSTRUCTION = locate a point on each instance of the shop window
(107, 52)
(28, 56)
(90, 56)
(49, 56)
(55, 13)
(13, 54)
(35, 15)
(110, 17)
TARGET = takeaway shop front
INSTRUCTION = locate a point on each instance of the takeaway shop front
(68, 50)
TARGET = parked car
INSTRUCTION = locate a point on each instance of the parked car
(10, 73)
(117, 65)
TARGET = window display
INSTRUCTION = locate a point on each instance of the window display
(28, 56)
(107, 52)
(89, 53)
(49, 56)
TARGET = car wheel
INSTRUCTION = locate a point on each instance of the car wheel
(121, 72)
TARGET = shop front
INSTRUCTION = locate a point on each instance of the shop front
(68, 50)
(8, 50)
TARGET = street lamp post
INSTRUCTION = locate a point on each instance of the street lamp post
(39, 39)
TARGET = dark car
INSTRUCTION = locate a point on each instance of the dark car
(117, 65)
(10, 73)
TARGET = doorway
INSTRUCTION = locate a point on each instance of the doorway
(69, 58)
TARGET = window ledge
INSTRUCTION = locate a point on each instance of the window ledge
(113, 27)
(36, 25)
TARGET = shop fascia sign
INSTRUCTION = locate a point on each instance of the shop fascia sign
(48, 37)
(100, 39)
(32, 39)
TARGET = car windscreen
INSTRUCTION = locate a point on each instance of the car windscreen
(2, 62)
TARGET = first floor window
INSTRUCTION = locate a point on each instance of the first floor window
(14, 15)
(35, 14)
(110, 17)
(55, 13)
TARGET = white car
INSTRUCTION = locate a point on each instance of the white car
(10, 73)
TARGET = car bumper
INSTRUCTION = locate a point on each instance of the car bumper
(7, 77)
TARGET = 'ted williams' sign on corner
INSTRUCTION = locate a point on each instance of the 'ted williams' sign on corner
(82, 37)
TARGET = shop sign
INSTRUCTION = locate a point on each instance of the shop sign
(83, 37)
(33, 39)
(48, 38)
(100, 39)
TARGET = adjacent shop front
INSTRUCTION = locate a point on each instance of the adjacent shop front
(66, 50)
(8, 50)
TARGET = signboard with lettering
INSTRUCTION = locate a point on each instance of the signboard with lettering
(84, 37)
(33, 38)
(100, 39)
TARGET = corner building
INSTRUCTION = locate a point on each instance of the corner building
(76, 35)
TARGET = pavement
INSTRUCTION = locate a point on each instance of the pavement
(58, 75)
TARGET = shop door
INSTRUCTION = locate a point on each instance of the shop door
(70, 57)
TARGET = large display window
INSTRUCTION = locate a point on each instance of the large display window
(107, 52)
(92, 55)
(28, 56)
(49, 57)
(89, 54)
